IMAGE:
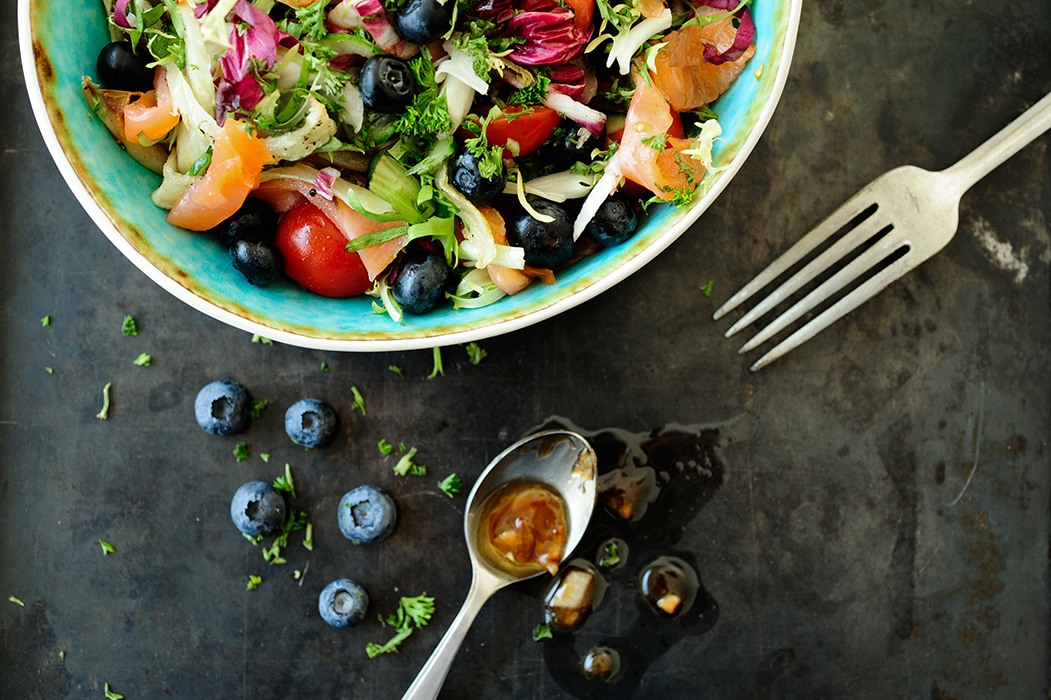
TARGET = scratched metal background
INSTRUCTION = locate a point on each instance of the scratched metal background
(881, 530)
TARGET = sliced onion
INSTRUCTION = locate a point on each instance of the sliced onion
(557, 187)
(627, 44)
(325, 179)
(606, 186)
(589, 118)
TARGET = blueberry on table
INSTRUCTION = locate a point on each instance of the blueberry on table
(310, 423)
(254, 218)
(258, 260)
(420, 281)
(546, 244)
(367, 514)
(120, 68)
(423, 21)
(343, 603)
(465, 174)
(614, 222)
(222, 407)
(257, 508)
(386, 84)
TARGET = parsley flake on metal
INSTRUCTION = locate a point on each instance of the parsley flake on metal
(257, 408)
(16, 601)
(241, 452)
(107, 548)
(405, 465)
(256, 338)
(438, 369)
(46, 321)
(143, 360)
(385, 447)
(475, 353)
(111, 694)
(253, 582)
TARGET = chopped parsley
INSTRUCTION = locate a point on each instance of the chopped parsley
(428, 115)
(265, 456)
(308, 537)
(294, 520)
(535, 94)
(16, 601)
(405, 465)
(610, 556)
(61, 656)
(385, 447)
(254, 540)
(438, 369)
(490, 158)
(359, 400)
(253, 582)
(111, 694)
(541, 632)
(657, 142)
(396, 369)
(260, 339)
(257, 409)
(241, 452)
(143, 360)
(49, 370)
(104, 413)
(285, 483)
(475, 353)
(46, 321)
(129, 327)
(450, 485)
(107, 548)
(412, 613)
(706, 288)
(325, 367)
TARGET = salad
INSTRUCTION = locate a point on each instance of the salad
(420, 151)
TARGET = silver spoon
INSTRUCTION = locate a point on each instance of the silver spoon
(559, 459)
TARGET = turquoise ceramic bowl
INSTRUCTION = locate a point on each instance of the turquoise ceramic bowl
(59, 41)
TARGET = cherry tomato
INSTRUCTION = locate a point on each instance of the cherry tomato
(315, 254)
(530, 126)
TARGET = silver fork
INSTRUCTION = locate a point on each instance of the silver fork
(918, 209)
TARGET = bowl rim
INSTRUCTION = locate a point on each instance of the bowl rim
(386, 344)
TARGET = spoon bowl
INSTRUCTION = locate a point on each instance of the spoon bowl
(558, 459)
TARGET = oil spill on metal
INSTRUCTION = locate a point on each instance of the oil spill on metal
(651, 486)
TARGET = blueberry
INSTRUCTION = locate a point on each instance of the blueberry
(387, 84)
(259, 261)
(257, 508)
(310, 423)
(423, 21)
(573, 144)
(343, 603)
(614, 222)
(420, 282)
(222, 407)
(255, 218)
(121, 68)
(547, 244)
(367, 514)
(465, 174)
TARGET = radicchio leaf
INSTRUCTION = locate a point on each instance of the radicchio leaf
(120, 14)
(551, 38)
(568, 80)
(745, 33)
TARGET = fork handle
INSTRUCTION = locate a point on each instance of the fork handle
(1008, 141)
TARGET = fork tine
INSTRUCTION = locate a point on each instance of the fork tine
(833, 284)
(835, 221)
(867, 228)
(841, 308)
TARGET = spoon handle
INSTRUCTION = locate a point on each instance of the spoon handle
(430, 678)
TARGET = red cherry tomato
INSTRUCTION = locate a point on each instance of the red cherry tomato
(315, 254)
(530, 126)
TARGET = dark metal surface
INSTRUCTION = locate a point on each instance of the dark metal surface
(878, 527)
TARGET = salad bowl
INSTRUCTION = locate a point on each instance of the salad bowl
(59, 42)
